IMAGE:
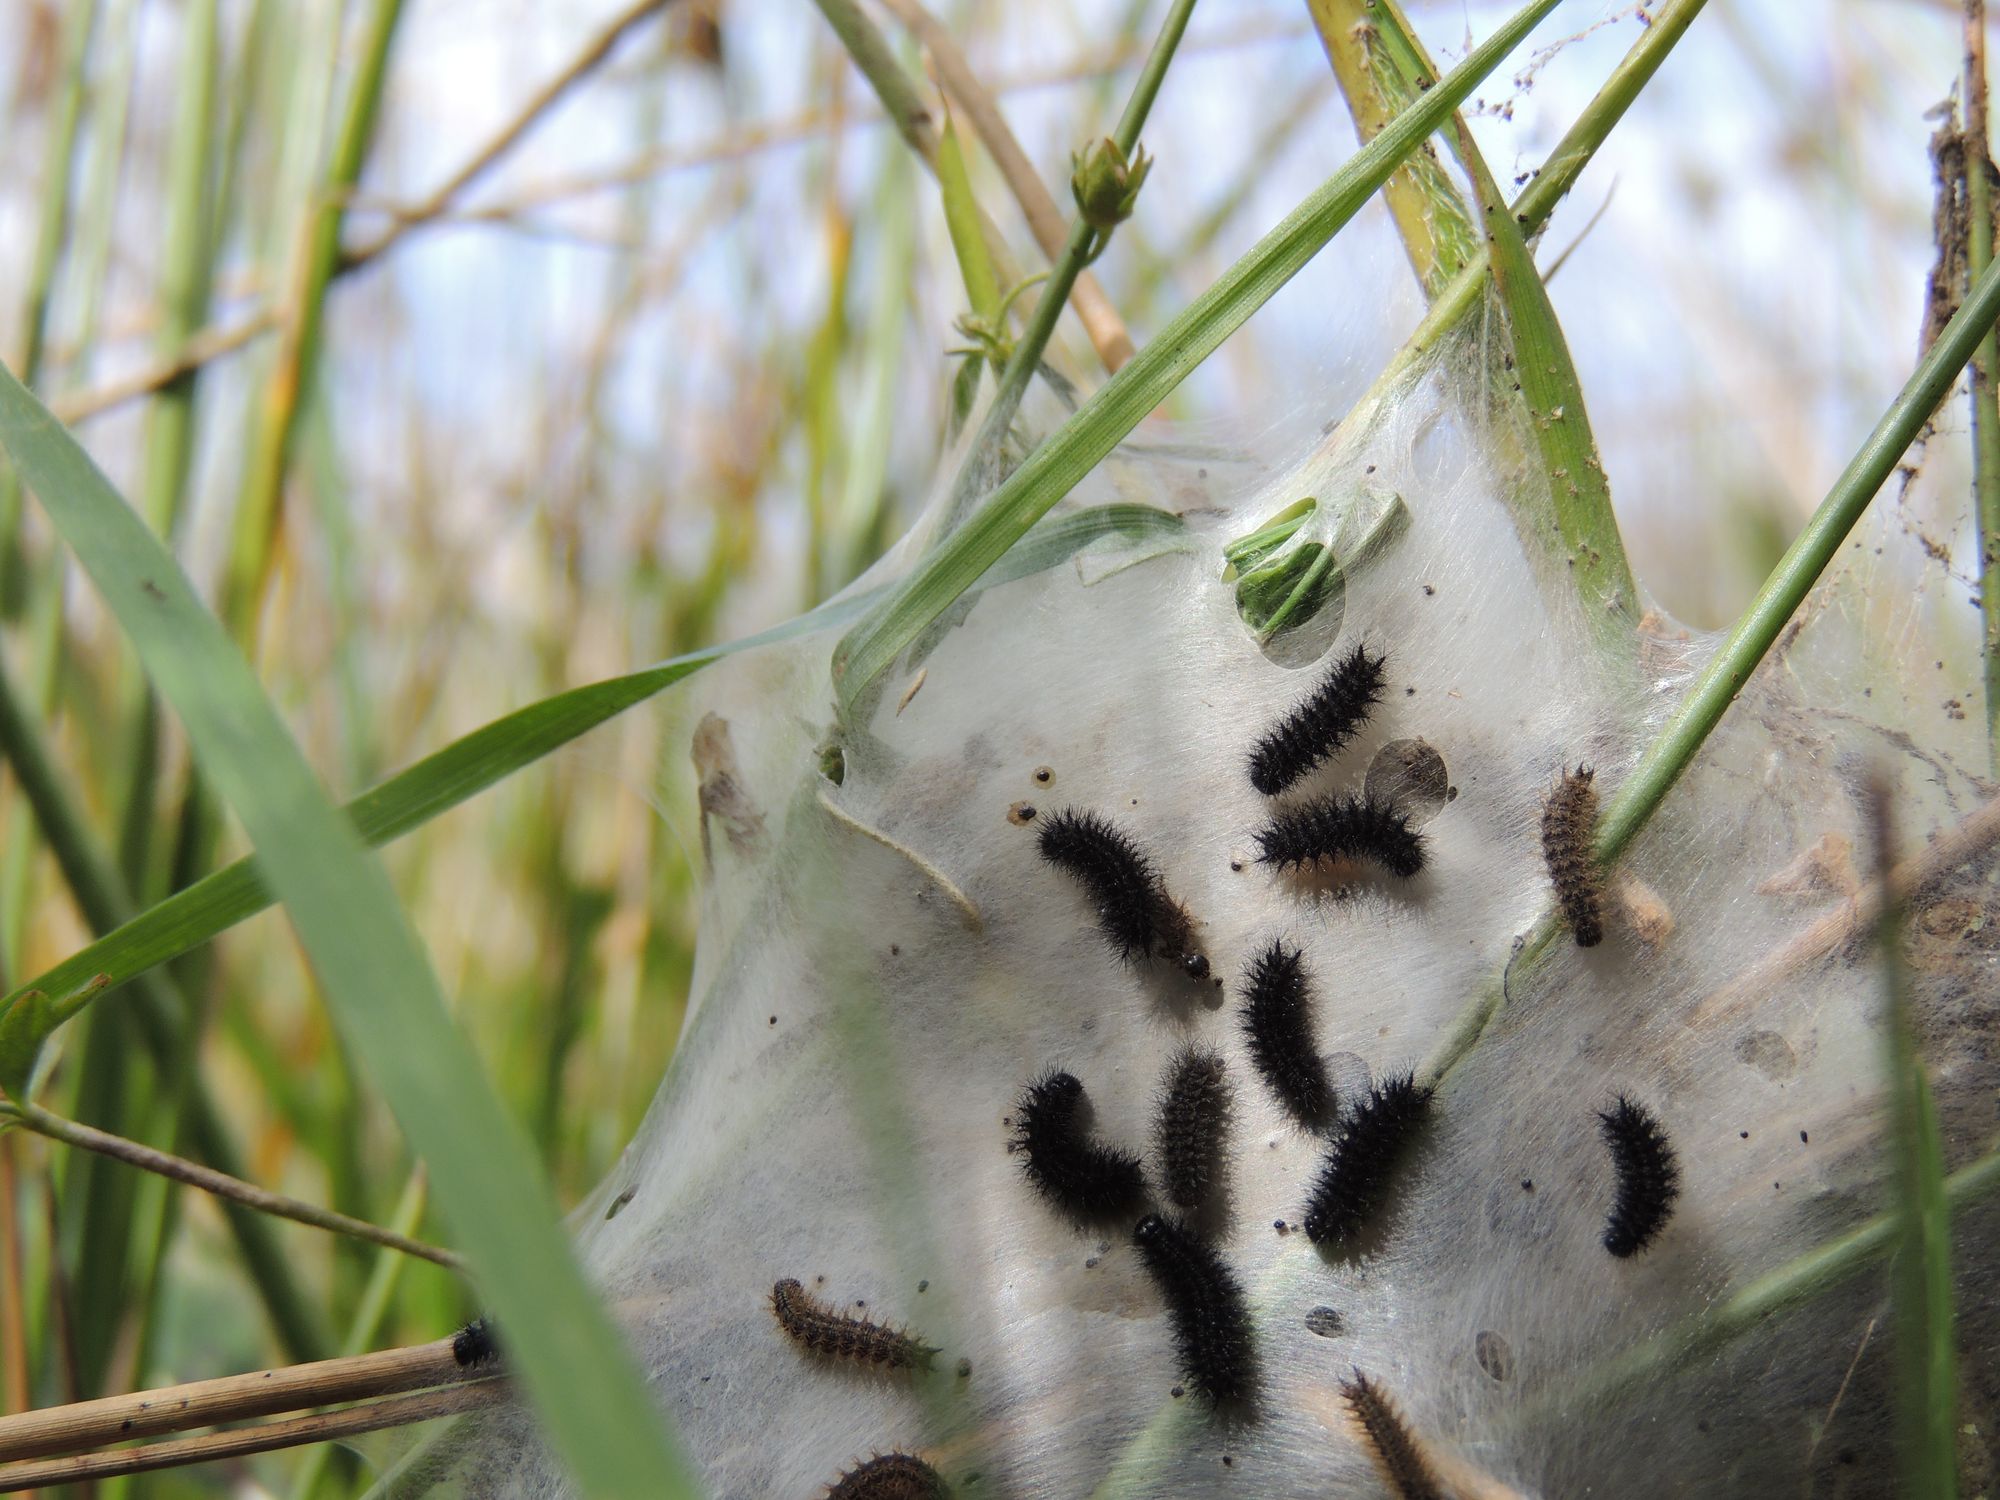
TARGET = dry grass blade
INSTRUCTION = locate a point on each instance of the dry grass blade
(232, 1398)
(292, 1432)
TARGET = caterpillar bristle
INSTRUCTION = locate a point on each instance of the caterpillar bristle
(1320, 724)
(831, 1335)
(1649, 1178)
(1397, 1450)
(1569, 817)
(1360, 1165)
(1278, 1024)
(1195, 1107)
(1086, 1180)
(1134, 912)
(890, 1476)
(1205, 1303)
(1343, 828)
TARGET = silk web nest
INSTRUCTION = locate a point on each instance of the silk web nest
(885, 964)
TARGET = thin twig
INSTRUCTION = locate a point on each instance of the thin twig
(233, 1398)
(210, 343)
(293, 1432)
(1826, 1423)
(221, 1184)
(1100, 319)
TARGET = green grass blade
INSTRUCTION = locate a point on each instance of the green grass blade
(376, 977)
(1056, 467)
(1976, 160)
(186, 275)
(1380, 60)
(1381, 71)
(432, 786)
(1782, 593)
(158, 1017)
(1557, 176)
(275, 424)
(961, 218)
(469, 765)
(1926, 1369)
(1578, 497)
(52, 235)
(861, 514)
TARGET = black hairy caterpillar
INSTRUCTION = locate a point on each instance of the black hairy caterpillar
(1084, 1179)
(1195, 1108)
(890, 1476)
(1343, 828)
(809, 1323)
(1398, 1453)
(1568, 817)
(1324, 721)
(475, 1344)
(1277, 1020)
(1649, 1179)
(1134, 911)
(1360, 1165)
(1211, 1323)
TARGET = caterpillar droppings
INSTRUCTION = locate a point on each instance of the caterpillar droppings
(832, 1335)
(1361, 1163)
(1086, 1180)
(1278, 1023)
(1134, 912)
(1397, 1451)
(1195, 1109)
(890, 1476)
(1343, 828)
(1568, 817)
(475, 1344)
(1211, 1322)
(1324, 721)
(1649, 1178)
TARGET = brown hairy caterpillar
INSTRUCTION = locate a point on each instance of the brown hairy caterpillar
(1568, 818)
(890, 1476)
(814, 1326)
(1398, 1452)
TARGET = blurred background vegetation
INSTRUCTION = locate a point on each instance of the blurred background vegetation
(516, 343)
